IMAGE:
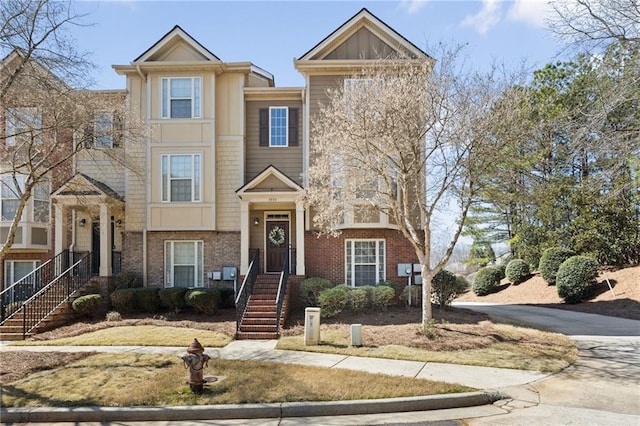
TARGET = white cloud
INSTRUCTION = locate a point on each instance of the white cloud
(488, 17)
(532, 12)
(413, 6)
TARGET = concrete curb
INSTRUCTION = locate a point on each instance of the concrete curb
(248, 411)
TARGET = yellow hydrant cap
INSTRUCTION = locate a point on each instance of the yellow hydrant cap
(195, 347)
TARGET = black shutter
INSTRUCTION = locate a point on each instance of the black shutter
(293, 126)
(87, 137)
(118, 129)
(264, 126)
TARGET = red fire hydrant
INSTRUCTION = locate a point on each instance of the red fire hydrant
(196, 360)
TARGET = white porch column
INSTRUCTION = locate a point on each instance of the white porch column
(244, 237)
(105, 241)
(60, 228)
(300, 269)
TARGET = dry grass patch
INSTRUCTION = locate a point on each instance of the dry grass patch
(139, 335)
(150, 380)
(484, 344)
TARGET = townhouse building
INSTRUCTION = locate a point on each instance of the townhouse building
(216, 173)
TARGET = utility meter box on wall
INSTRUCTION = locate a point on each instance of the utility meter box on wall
(229, 273)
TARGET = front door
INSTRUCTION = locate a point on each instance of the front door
(95, 247)
(277, 244)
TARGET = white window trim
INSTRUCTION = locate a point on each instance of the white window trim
(286, 126)
(9, 269)
(169, 268)
(346, 260)
(166, 115)
(196, 196)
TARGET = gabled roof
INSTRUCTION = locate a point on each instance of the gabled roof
(271, 172)
(19, 55)
(366, 19)
(82, 185)
(176, 34)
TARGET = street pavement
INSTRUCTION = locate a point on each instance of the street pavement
(601, 388)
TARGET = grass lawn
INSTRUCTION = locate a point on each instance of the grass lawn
(150, 380)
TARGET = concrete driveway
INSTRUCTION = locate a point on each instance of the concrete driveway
(601, 388)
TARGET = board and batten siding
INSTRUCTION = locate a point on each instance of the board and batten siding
(286, 159)
(362, 45)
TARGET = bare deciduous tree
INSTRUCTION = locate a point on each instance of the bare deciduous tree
(407, 139)
(596, 22)
(49, 118)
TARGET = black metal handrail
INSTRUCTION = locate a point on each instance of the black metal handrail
(47, 300)
(247, 288)
(30, 284)
(282, 288)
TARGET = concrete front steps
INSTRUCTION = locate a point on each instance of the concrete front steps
(260, 318)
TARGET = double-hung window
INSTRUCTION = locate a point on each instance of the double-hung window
(103, 130)
(181, 177)
(41, 202)
(10, 195)
(183, 263)
(181, 97)
(365, 262)
(23, 126)
(278, 126)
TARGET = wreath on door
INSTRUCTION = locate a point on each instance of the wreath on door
(276, 236)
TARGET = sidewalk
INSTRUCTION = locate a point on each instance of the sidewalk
(489, 380)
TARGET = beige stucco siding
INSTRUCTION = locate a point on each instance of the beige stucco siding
(286, 159)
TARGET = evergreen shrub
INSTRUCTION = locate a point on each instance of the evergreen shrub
(577, 278)
(486, 280)
(172, 298)
(383, 297)
(204, 300)
(311, 288)
(147, 299)
(89, 305)
(551, 260)
(517, 271)
(332, 301)
(124, 300)
(445, 286)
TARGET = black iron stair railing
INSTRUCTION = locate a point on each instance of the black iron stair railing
(54, 294)
(282, 288)
(23, 289)
(242, 299)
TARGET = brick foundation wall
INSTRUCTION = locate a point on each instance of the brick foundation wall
(325, 256)
(220, 249)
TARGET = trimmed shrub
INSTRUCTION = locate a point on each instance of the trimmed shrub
(383, 297)
(124, 300)
(517, 271)
(88, 306)
(502, 267)
(147, 299)
(397, 288)
(172, 298)
(445, 287)
(227, 299)
(332, 301)
(113, 316)
(204, 300)
(311, 288)
(551, 260)
(357, 299)
(416, 295)
(577, 278)
(128, 280)
(485, 280)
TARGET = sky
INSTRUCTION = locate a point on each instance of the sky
(271, 34)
